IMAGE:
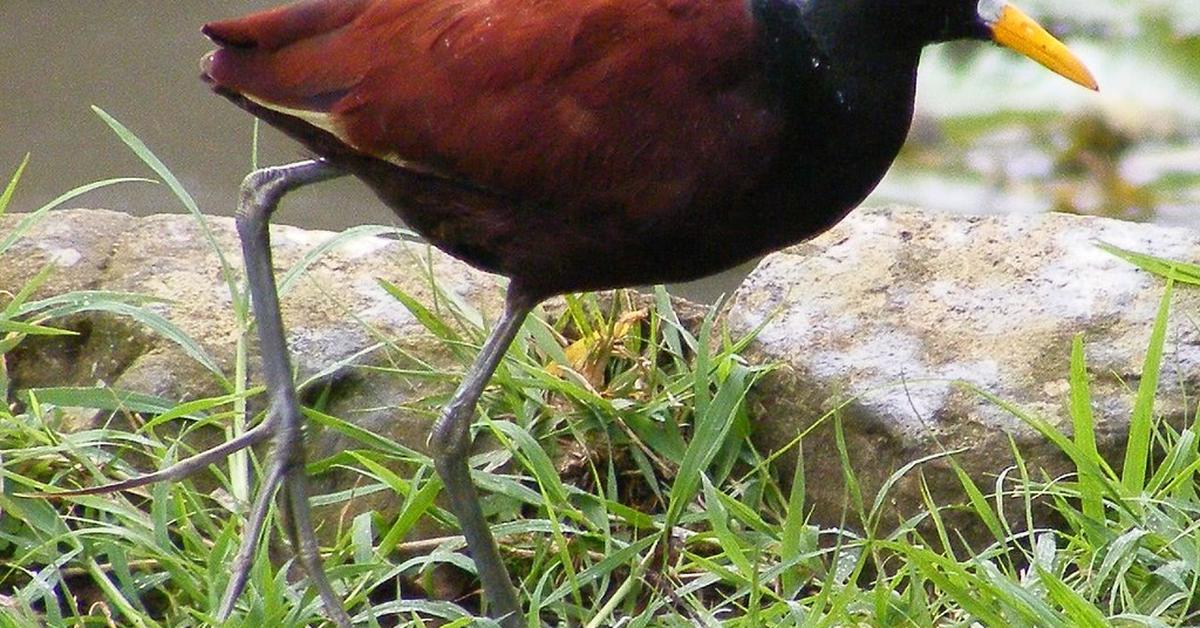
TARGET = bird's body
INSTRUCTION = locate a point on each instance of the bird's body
(584, 144)
(569, 145)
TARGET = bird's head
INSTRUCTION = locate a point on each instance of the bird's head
(1003, 23)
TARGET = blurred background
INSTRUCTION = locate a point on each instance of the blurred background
(994, 134)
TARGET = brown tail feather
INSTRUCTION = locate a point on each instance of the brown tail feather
(275, 56)
(275, 28)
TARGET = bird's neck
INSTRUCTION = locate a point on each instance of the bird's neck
(846, 85)
(832, 61)
(856, 50)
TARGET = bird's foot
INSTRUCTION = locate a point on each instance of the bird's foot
(285, 473)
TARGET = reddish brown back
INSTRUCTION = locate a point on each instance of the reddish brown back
(643, 107)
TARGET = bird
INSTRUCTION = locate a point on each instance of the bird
(568, 146)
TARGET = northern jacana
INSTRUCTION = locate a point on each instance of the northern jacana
(570, 145)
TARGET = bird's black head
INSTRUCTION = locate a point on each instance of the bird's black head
(901, 27)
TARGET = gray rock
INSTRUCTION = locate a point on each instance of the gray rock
(334, 312)
(885, 311)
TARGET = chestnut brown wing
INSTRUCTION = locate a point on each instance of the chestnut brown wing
(634, 105)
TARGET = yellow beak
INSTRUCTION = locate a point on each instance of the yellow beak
(1013, 29)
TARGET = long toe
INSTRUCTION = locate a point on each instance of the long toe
(240, 570)
(304, 541)
(179, 470)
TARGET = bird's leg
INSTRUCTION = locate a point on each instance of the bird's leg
(260, 195)
(450, 442)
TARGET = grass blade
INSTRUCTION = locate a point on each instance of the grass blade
(29, 220)
(1090, 491)
(7, 195)
(102, 399)
(794, 537)
(1182, 272)
(156, 322)
(354, 233)
(1137, 451)
(172, 182)
(428, 319)
(1082, 612)
(707, 441)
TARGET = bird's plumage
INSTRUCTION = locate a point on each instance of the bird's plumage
(602, 142)
(573, 145)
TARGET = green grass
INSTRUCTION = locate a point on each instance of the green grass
(626, 491)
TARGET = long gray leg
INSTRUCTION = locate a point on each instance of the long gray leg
(261, 192)
(450, 442)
